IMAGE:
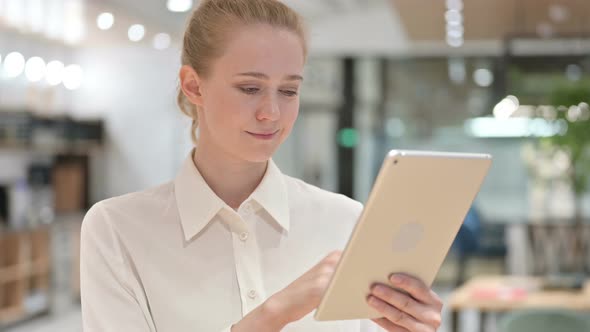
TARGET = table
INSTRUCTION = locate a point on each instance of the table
(506, 293)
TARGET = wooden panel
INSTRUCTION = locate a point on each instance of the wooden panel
(12, 294)
(424, 20)
(69, 187)
(11, 314)
(40, 276)
(24, 268)
(538, 11)
(535, 297)
(489, 19)
(40, 244)
(11, 273)
(12, 285)
(11, 249)
(40, 259)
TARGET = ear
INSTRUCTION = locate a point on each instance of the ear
(190, 83)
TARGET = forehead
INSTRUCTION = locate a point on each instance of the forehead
(262, 48)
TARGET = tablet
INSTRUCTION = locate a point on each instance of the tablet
(413, 213)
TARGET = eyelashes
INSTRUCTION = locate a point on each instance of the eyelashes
(254, 91)
(289, 93)
(249, 91)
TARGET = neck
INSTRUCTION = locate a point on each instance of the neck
(231, 179)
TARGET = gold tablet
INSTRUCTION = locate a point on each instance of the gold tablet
(414, 211)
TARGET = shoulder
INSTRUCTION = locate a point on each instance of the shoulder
(138, 207)
(302, 194)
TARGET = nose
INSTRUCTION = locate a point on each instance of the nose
(269, 110)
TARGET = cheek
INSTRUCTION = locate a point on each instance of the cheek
(289, 115)
(226, 109)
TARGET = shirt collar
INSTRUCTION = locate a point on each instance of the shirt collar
(271, 194)
(198, 204)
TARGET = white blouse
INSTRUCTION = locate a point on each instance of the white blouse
(177, 258)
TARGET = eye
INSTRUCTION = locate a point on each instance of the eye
(249, 90)
(289, 93)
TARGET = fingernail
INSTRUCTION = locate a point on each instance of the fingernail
(377, 290)
(396, 278)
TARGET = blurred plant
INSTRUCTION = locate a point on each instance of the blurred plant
(572, 105)
(571, 102)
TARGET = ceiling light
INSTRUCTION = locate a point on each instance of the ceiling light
(14, 64)
(455, 31)
(35, 15)
(74, 21)
(136, 32)
(455, 41)
(179, 6)
(161, 41)
(105, 21)
(455, 4)
(483, 77)
(35, 69)
(453, 16)
(15, 13)
(55, 72)
(558, 13)
(72, 77)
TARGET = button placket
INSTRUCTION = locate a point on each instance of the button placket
(252, 294)
(247, 258)
(243, 236)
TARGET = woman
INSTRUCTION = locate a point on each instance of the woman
(232, 244)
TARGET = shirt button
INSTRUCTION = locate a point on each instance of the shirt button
(252, 294)
(244, 236)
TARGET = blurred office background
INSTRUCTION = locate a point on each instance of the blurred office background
(87, 112)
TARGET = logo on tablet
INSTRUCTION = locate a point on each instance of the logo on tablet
(407, 237)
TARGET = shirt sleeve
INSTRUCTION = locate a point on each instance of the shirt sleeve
(108, 291)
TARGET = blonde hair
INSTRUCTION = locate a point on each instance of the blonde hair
(208, 31)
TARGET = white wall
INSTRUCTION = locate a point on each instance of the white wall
(133, 88)
(375, 30)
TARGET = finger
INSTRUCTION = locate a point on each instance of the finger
(327, 266)
(421, 312)
(324, 267)
(396, 316)
(333, 257)
(416, 288)
(389, 326)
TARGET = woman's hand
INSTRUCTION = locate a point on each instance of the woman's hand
(293, 302)
(416, 310)
(303, 295)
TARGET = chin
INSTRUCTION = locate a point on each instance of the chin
(259, 155)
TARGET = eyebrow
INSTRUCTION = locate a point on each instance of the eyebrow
(264, 76)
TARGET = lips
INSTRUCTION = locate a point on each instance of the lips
(264, 135)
